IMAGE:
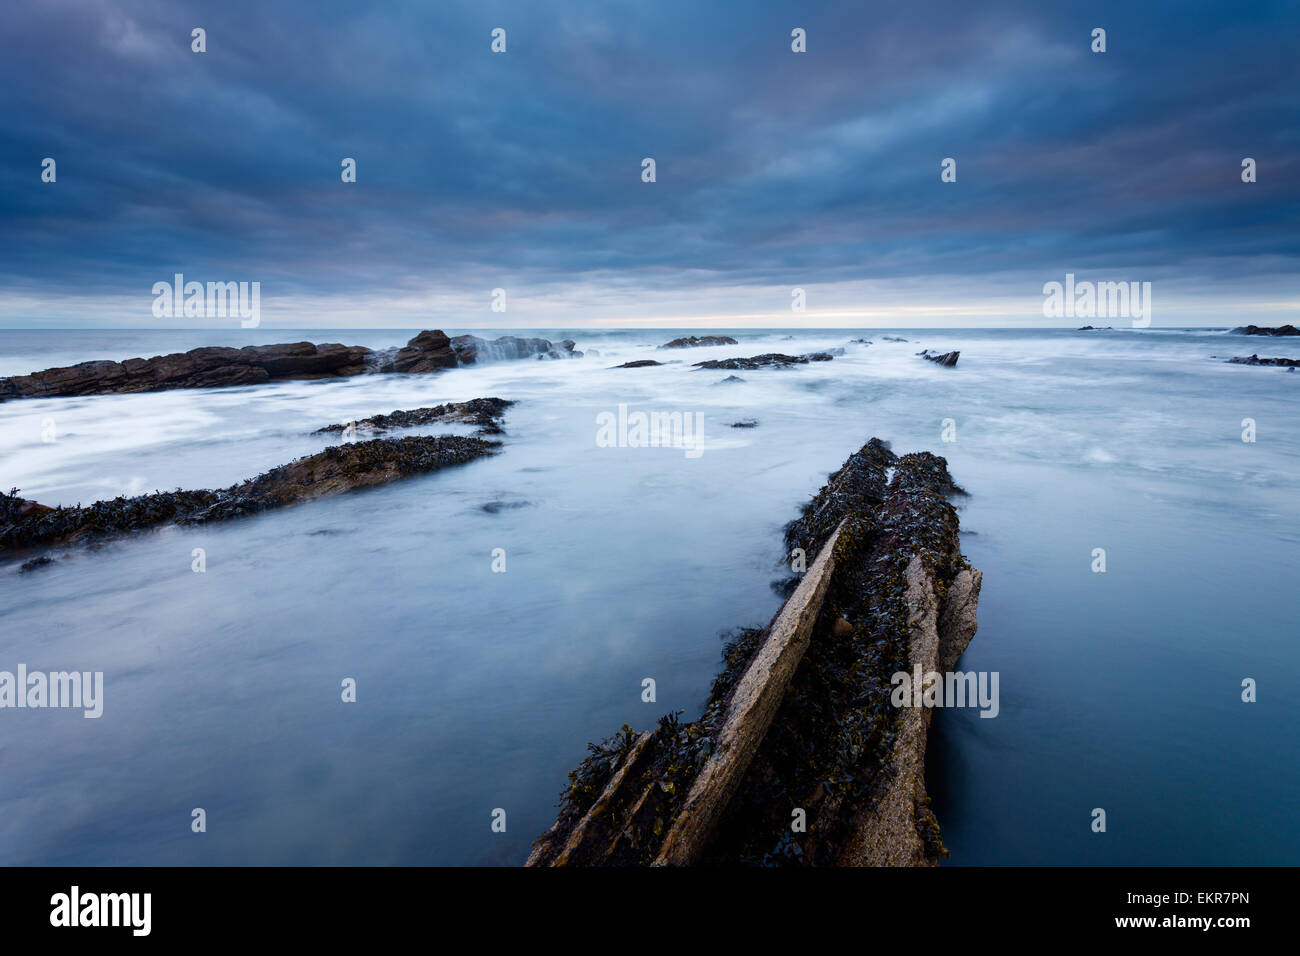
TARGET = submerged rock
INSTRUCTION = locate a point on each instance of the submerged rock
(484, 412)
(639, 363)
(1256, 360)
(729, 380)
(767, 360)
(337, 469)
(471, 349)
(1093, 328)
(1263, 330)
(892, 338)
(745, 423)
(946, 359)
(698, 341)
(801, 715)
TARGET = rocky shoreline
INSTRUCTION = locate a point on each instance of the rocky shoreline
(800, 720)
(221, 367)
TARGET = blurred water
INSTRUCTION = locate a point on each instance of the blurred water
(479, 690)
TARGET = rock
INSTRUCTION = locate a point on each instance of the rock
(209, 367)
(859, 341)
(639, 363)
(1287, 363)
(471, 349)
(35, 563)
(892, 338)
(803, 701)
(337, 469)
(767, 360)
(730, 380)
(694, 341)
(220, 367)
(946, 359)
(484, 412)
(1090, 328)
(1261, 330)
(745, 423)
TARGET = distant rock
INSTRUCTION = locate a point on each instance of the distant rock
(767, 360)
(1287, 363)
(745, 423)
(1091, 328)
(946, 359)
(891, 338)
(1261, 330)
(859, 341)
(730, 380)
(697, 341)
(639, 363)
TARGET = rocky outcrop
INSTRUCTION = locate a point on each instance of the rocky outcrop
(801, 717)
(339, 468)
(767, 360)
(1256, 360)
(946, 359)
(216, 367)
(1261, 330)
(640, 363)
(698, 341)
(211, 367)
(1095, 328)
(484, 412)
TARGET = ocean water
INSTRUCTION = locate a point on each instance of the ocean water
(479, 690)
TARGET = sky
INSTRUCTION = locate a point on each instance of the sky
(522, 170)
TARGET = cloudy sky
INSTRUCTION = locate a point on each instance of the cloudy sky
(522, 170)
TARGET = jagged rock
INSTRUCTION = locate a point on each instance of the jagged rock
(730, 380)
(1262, 330)
(946, 359)
(697, 341)
(1256, 360)
(639, 363)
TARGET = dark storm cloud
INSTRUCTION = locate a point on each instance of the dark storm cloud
(773, 167)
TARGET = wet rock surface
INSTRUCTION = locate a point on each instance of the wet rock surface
(698, 341)
(766, 360)
(484, 412)
(639, 363)
(897, 591)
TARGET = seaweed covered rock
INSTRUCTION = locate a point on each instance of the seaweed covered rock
(337, 469)
(801, 715)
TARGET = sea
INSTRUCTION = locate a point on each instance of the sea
(496, 617)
